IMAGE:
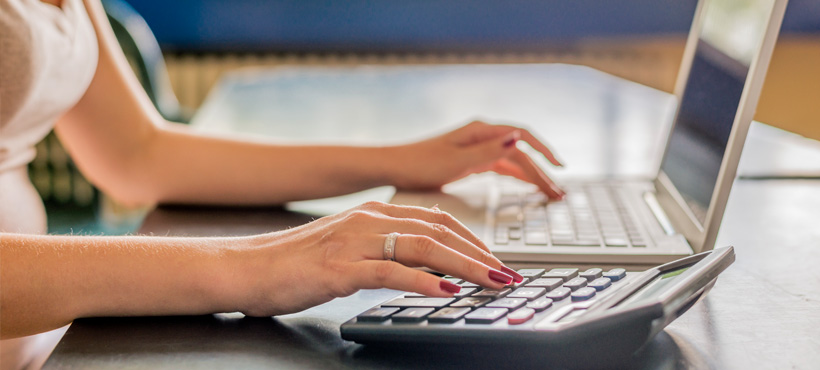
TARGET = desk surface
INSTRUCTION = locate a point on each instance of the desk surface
(763, 312)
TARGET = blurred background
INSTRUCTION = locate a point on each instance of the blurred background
(200, 40)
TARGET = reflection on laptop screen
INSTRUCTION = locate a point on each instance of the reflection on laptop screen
(731, 34)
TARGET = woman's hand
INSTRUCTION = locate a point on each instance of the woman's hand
(337, 255)
(476, 147)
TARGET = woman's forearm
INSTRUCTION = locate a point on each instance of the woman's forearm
(47, 281)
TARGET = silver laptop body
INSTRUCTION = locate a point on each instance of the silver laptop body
(642, 222)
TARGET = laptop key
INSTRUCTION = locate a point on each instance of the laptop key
(418, 302)
(471, 302)
(485, 315)
(377, 314)
(559, 294)
(540, 304)
(520, 316)
(413, 314)
(448, 314)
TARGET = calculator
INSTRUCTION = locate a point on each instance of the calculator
(607, 312)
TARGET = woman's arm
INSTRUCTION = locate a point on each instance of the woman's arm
(126, 148)
(47, 281)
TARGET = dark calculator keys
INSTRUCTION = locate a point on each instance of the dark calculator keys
(579, 295)
(562, 273)
(548, 284)
(559, 293)
(576, 283)
(615, 274)
(412, 314)
(485, 315)
(468, 284)
(493, 293)
(528, 293)
(520, 316)
(530, 273)
(377, 314)
(600, 284)
(448, 314)
(540, 304)
(592, 274)
(471, 302)
(464, 292)
(418, 302)
(508, 303)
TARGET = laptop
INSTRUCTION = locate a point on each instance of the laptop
(623, 221)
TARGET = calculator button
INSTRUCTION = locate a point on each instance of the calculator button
(485, 315)
(615, 274)
(528, 293)
(377, 314)
(600, 284)
(508, 303)
(548, 284)
(493, 293)
(413, 314)
(468, 284)
(579, 295)
(576, 283)
(471, 302)
(592, 274)
(464, 292)
(520, 316)
(448, 314)
(521, 283)
(540, 304)
(531, 273)
(563, 273)
(453, 280)
(559, 293)
(418, 302)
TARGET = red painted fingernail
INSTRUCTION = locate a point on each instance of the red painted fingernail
(516, 276)
(511, 141)
(500, 277)
(449, 287)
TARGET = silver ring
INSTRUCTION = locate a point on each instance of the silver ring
(390, 246)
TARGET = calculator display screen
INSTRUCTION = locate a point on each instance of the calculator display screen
(655, 287)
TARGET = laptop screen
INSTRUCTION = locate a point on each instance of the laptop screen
(730, 36)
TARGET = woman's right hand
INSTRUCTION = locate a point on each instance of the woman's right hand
(335, 256)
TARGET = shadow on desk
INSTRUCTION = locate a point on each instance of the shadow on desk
(233, 341)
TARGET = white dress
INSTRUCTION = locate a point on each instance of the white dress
(48, 56)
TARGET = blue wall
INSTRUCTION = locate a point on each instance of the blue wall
(420, 25)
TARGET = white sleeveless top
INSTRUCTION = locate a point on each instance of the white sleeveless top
(48, 56)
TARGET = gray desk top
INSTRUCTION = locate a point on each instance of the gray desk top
(763, 312)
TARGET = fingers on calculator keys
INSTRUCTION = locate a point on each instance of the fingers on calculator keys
(559, 293)
(520, 316)
(546, 283)
(583, 294)
(600, 284)
(576, 283)
(528, 293)
(561, 273)
(508, 303)
(413, 314)
(615, 274)
(485, 315)
(592, 274)
(377, 314)
(448, 314)
(540, 304)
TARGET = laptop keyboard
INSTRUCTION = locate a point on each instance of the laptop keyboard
(589, 216)
(540, 291)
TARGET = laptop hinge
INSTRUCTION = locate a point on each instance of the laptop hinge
(655, 207)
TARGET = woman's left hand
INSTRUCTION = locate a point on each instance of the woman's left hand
(473, 148)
